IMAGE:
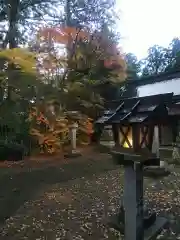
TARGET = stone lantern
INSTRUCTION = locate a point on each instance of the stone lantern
(74, 152)
(134, 124)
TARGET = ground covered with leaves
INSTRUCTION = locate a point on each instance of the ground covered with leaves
(61, 206)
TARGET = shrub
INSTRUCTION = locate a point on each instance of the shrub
(11, 151)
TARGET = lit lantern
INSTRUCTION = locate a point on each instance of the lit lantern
(133, 121)
(125, 137)
(139, 139)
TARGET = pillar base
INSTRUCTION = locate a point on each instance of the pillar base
(152, 225)
(118, 221)
(156, 172)
(72, 154)
(102, 148)
(153, 231)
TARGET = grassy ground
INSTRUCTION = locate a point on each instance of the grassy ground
(71, 201)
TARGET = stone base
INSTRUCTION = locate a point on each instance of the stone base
(151, 230)
(72, 154)
(103, 149)
(174, 162)
(115, 224)
(118, 221)
(117, 158)
(155, 229)
(156, 172)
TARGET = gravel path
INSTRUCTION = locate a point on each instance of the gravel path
(76, 209)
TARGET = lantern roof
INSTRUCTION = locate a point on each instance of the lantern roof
(137, 110)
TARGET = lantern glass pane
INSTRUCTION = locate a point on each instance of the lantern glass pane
(126, 138)
(144, 136)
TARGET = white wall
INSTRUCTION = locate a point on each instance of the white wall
(160, 88)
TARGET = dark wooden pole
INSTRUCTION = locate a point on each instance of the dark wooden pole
(133, 202)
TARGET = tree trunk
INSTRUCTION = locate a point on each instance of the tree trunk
(11, 37)
(68, 13)
(13, 16)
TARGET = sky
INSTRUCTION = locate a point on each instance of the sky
(144, 23)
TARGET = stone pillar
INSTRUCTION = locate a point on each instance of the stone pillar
(176, 151)
(133, 202)
(156, 145)
(73, 132)
(160, 170)
(176, 155)
(107, 137)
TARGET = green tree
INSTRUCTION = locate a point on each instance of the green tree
(133, 66)
(156, 61)
(92, 14)
(18, 17)
(162, 59)
(173, 55)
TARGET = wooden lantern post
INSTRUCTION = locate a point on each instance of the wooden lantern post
(134, 129)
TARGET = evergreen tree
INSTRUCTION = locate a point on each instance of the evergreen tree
(17, 18)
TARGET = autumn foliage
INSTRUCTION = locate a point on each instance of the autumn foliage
(49, 135)
(52, 135)
(63, 35)
(71, 37)
(48, 70)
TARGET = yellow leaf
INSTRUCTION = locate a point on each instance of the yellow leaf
(21, 57)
